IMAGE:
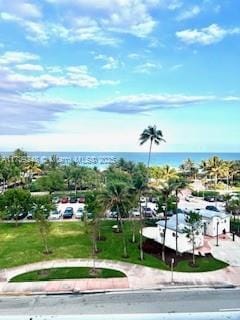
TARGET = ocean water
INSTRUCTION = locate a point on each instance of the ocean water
(103, 159)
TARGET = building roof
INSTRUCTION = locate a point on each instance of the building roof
(171, 223)
(209, 214)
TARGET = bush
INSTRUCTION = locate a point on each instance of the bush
(205, 193)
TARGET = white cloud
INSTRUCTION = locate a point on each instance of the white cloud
(21, 8)
(110, 62)
(174, 4)
(82, 29)
(232, 98)
(206, 36)
(29, 67)
(13, 57)
(147, 67)
(143, 103)
(134, 55)
(176, 67)
(22, 114)
(189, 13)
(121, 16)
(35, 31)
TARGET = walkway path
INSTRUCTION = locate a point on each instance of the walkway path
(138, 277)
(227, 250)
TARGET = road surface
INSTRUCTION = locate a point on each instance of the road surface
(166, 301)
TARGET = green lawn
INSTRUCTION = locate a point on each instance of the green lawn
(67, 273)
(22, 245)
(203, 264)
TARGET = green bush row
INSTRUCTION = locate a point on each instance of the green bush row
(205, 193)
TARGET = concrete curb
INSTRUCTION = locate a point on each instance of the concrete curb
(86, 292)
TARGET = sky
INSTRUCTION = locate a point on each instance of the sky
(90, 75)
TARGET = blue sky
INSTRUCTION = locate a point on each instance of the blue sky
(79, 75)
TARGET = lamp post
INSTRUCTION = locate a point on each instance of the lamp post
(217, 233)
(176, 230)
(172, 263)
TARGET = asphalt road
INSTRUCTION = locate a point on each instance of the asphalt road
(167, 301)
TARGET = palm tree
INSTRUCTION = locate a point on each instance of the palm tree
(189, 168)
(213, 167)
(155, 136)
(76, 176)
(163, 173)
(194, 223)
(152, 134)
(30, 168)
(166, 190)
(116, 196)
(53, 162)
(42, 206)
(178, 185)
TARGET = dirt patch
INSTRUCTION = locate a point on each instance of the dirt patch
(155, 249)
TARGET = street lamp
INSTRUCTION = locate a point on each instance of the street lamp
(172, 263)
(217, 233)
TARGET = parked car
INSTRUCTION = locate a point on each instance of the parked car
(73, 199)
(220, 198)
(81, 200)
(189, 198)
(55, 215)
(148, 214)
(20, 216)
(112, 214)
(135, 212)
(64, 200)
(79, 213)
(209, 198)
(30, 215)
(8, 216)
(212, 208)
(68, 213)
(55, 200)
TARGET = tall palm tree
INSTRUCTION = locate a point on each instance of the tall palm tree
(115, 196)
(153, 135)
(29, 169)
(53, 162)
(213, 167)
(189, 168)
(177, 185)
(76, 175)
(140, 186)
(166, 189)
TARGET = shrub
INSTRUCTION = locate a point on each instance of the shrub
(205, 193)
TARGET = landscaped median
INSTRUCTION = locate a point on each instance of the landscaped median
(22, 245)
(67, 273)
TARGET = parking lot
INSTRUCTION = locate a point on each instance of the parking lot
(198, 203)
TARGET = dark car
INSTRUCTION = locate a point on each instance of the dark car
(212, 208)
(20, 216)
(220, 198)
(64, 200)
(8, 216)
(68, 213)
(209, 198)
(73, 200)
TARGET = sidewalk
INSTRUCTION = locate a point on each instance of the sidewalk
(138, 277)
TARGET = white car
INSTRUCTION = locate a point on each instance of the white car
(55, 215)
(135, 213)
(79, 213)
(143, 200)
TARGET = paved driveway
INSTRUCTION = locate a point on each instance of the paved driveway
(228, 250)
